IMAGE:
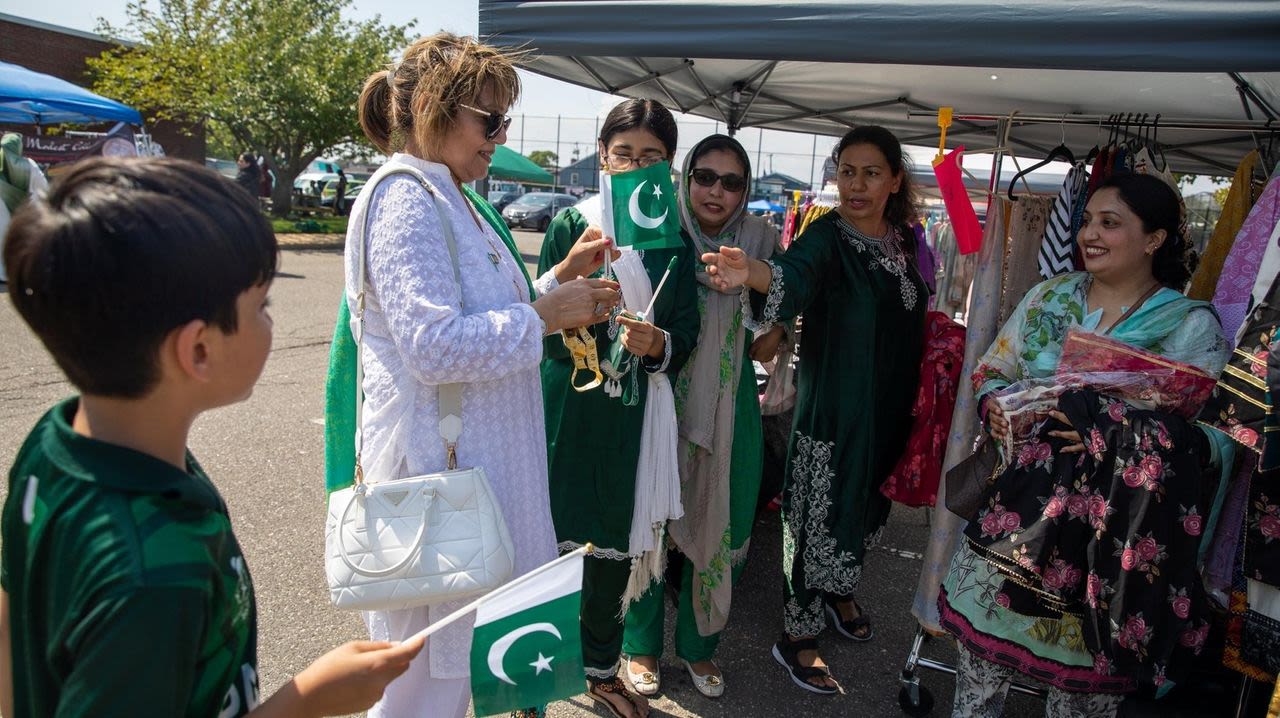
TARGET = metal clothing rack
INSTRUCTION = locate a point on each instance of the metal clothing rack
(1250, 128)
(1268, 125)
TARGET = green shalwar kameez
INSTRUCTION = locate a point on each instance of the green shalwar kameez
(860, 351)
(593, 442)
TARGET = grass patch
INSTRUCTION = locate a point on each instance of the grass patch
(309, 225)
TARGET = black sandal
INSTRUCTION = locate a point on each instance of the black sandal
(597, 688)
(850, 628)
(787, 653)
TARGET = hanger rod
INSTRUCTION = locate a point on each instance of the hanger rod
(1094, 120)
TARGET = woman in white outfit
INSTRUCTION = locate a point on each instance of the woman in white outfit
(440, 111)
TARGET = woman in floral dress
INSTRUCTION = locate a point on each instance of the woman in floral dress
(1079, 569)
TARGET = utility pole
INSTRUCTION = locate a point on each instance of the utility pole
(759, 143)
(522, 133)
(555, 176)
(813, 160)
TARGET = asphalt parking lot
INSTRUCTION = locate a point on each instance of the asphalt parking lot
(266, 455)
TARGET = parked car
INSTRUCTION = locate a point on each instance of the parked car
(535, 209)
(501, 198)
(330, 192)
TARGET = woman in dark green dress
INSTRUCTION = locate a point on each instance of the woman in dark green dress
(853, 275)
(594, 437)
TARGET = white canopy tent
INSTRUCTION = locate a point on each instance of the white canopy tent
(1209, 70)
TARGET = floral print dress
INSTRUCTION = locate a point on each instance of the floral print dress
(1080, 569)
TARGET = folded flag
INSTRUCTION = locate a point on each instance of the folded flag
(526, 649)
(639, 208)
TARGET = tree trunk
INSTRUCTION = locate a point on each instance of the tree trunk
(282, 194)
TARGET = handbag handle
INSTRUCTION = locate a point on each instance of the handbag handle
(449, 395)
(416, 544)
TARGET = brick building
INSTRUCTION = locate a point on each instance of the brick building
(61, 52)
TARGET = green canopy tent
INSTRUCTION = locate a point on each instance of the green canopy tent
(508, 164)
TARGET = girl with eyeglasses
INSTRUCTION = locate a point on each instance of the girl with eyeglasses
(721, 446)
(853, 275)
(594, 437)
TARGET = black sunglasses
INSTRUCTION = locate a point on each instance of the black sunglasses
(730, 182)
(494, 122)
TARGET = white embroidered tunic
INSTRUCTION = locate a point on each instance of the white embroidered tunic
(422, 330)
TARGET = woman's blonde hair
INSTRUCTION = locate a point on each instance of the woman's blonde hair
(419, 95)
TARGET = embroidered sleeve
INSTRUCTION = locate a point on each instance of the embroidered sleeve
(772, 302)
(411, 275)
(547, 282)
(652, 365)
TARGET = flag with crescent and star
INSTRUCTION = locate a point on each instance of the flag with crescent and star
(526, 650)
(640, 208)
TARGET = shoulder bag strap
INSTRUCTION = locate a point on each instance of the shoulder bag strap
(450, 395)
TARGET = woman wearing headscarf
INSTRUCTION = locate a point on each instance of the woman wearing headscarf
(720, 447)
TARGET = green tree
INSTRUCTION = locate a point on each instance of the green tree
(279, 77)
(546, 159)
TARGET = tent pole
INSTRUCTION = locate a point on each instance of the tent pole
(997, 159)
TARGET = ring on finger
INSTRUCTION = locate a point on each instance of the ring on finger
(598, 308)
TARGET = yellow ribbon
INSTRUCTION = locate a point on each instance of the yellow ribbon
(582, 347)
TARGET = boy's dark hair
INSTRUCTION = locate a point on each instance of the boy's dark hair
(121, 252)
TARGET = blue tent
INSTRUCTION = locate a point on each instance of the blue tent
(764, 205)
(33, 98)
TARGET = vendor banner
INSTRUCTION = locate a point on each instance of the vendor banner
(59, 149)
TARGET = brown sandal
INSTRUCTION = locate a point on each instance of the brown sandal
(599, 689)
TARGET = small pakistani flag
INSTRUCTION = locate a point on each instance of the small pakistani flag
(639, 208)
(526, 650)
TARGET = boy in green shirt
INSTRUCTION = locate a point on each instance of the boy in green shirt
(124, 590)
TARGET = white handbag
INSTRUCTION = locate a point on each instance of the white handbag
(394, 543)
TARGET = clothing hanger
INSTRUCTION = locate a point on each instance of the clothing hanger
(1097, 146)
(1113, 123)
(1060, 152)
(1157, 148)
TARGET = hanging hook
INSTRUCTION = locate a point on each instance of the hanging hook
(1156, 149)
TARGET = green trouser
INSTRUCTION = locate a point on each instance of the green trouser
(644, 624)
(645, 617)
(604, 581)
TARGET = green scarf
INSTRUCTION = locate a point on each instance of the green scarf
(339, 396)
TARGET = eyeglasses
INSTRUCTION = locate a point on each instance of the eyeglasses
(730, 182)
(494, 122)
(622, 163)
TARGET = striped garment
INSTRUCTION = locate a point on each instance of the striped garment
(1059, 241)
